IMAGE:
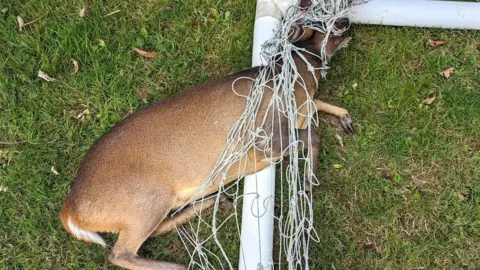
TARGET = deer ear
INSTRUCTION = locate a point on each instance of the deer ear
(298, 33)
(295, 33)
(336, 43)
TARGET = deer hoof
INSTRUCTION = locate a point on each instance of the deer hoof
(347, 124)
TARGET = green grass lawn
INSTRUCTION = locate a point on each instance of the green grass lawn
(407, 195)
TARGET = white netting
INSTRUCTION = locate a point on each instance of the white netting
(294, 219)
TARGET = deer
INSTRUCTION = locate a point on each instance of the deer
(156, 159)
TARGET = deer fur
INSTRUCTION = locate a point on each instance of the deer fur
(157, 158)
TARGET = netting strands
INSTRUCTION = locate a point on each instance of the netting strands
(255, 130)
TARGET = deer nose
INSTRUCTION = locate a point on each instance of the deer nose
(305, 3)
(342, 23)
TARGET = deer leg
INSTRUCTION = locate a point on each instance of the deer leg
(341, 113)
(170, 223)
(313, 154)
(135, 230)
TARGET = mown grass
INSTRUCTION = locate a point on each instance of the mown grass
(407, 196)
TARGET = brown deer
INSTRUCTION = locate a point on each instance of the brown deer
(156, 159)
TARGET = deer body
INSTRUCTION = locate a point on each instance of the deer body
(156, 159)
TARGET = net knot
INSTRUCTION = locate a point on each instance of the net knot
(198, 248)
(310, 68)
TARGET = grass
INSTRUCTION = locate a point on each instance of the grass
(407, 197)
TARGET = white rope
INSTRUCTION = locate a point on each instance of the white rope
(295, 218)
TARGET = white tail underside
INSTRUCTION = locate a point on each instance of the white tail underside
(85, 235)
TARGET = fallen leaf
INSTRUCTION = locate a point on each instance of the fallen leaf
(460, 196)
(447, 73)
(101, 42)
(435, 43)
(354, 85)
(83, 116)
(337, 165)
(21, 24)
(340, 140)
(54, 171)
(145, 54)
(3, 188)
(430, 100)
(45, 76)
(169, 7)
(4, 10)
(75, 66)
(81, 12)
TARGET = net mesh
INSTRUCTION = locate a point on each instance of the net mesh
(294, 216)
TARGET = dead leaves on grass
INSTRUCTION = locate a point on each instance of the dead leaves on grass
(4, 10)
(460, 196)
(430, 100)
(75, 66)
(22, 24)
(54, 171)
(85, 9)
(145, 54)
(81, 12)
(447, 73)
(84, 115)
(435, 43)
(45, 76)
(340, 140)
(341, 143)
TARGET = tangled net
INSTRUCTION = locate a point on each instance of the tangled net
(294, 221)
